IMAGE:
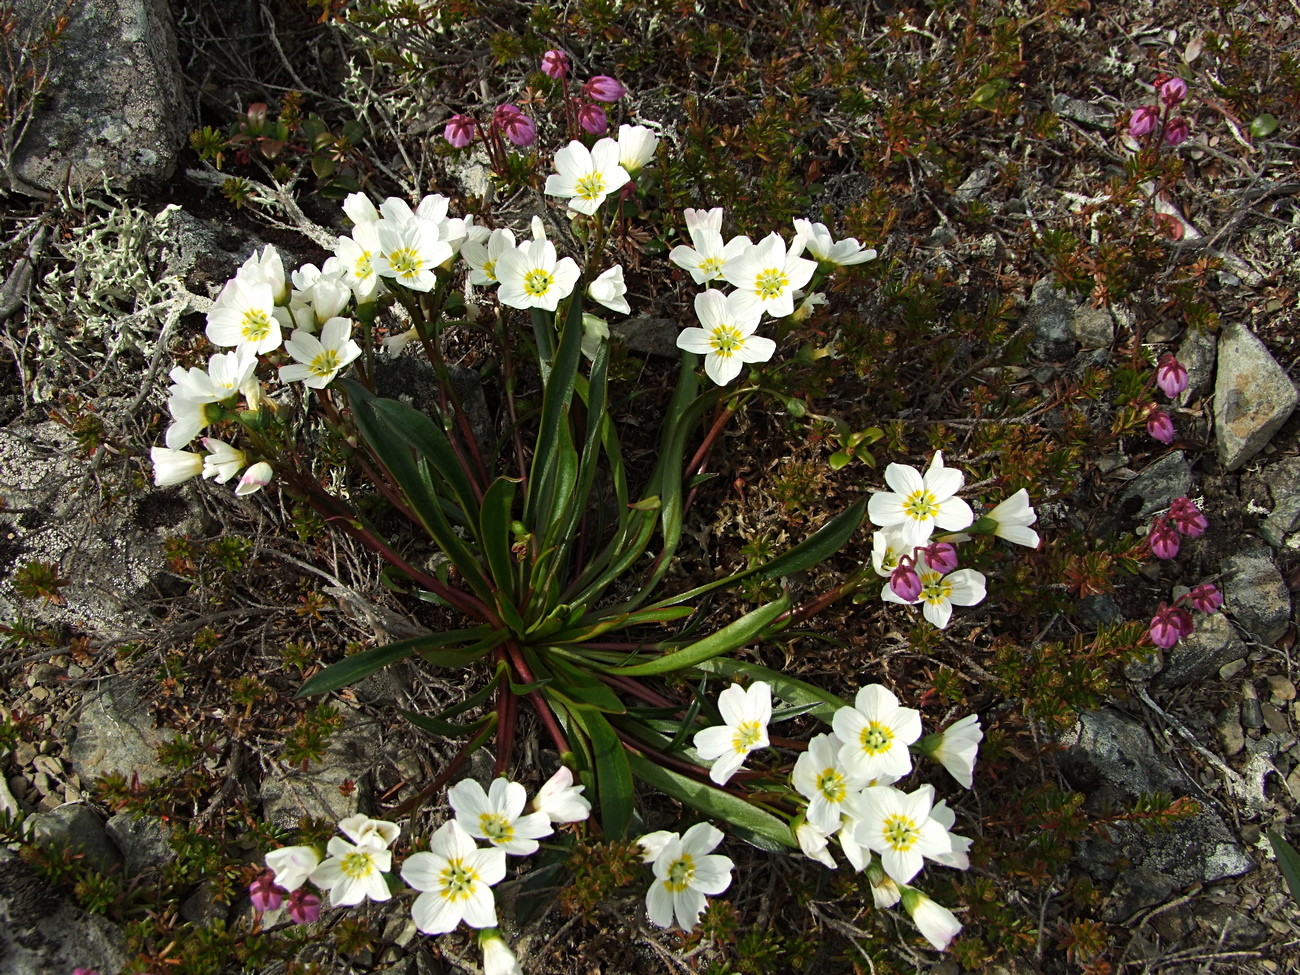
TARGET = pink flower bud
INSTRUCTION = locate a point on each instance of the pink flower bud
(1176, 131)
(941, 556)
(905, 583)
(1171, 376)
(1172, 91)
(592, 118)
(1205, 597)
(603, 88)
(1169, 625)
(516, 126)
(1163, 539)
(555, 64)
(460, 131)
(1159, 425)
(1143, 121)
(265, 893)
(304, 907)
(1187, 518)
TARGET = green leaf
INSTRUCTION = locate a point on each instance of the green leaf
(1262, 126)
(351, 669)
(613, 773)
(746, 818)
(840, 459)
(495, 536)
(582, 690)
(819, 703)
(747, 629)
(446, 729)
(1288, 861)
(986, 94)
(556, 397)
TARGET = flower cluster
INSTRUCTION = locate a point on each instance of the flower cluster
(767, 278)
(1173, 622)
(844, 783)
(1183, 518)
(1171, 377)
(1155, 123)
(922, 567)
(454, 877)
(582, 108)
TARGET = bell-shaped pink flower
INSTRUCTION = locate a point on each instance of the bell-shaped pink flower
(555, 64)
(592, 118)
(304, 906)
(1143, 121)
(941, 556)
(1163, 539)
(1159, 425)
(1171, 376)
(1187, 518)
(1205, 597)
(460, 130)
(1169, 625)
(514, 125)
(603, 89)
(905, 581)
(265, 893)
(1172, 91)
(1176, 131)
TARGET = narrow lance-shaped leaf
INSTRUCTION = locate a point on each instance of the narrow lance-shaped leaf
(821, 704)
(351, 669)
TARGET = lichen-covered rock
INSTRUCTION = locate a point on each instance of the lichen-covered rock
(1256, 595)
(75, 826)
(1252, 396)
(116, 734)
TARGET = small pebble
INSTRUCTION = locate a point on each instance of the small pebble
(42, 783)
(1252, 718)
(39, 693)
(1250, 833)
(1274, 719)
(1232, 668)
(24, 754)
(1280, 689)
(1293, 783)
(1229, 729)
(50, 765)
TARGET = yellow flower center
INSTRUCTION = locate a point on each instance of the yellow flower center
(256, 325)
(591, 186)
(457, 880)
(771, 282)
(325, 364)
(496, 827)
(356, 865)
(490, 270)
(406, 261)
(680, 873)
(747, 736)
(921, 505)
(936, 589)
(831, 785)
(901, 832)
(726, 339)
(537, 282)
(711, 265)
(875, 738)
(362, 268)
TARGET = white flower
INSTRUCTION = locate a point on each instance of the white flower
(704, 219)
(813, 842)
(765, 276)
(245, 315)
(1013, 517)
(498, 959)
(433, 210)
(746, 713)
(255, 478)
(319, 295)
(222, 463)
(409, 251)
(498, 815)
(920, 503)
(595, 331)
(320, 359)
(939, 593)
(610, 291)
(189, 417)
(884, 892)
(585, 176)
(353, 872)
(560, 800)
(227, 373)
(898, 827)
(709, 258)
(685, 871)
(828, 785)
(955, 748)
(364, 831)
(482, 259)
(292, 865)
(727, 340)
(807, 306)
(821, 245)
(266, 268)
(937, 924)
(636, 146)
(531, 277)
(959, 858)
(456, 878)
(876, 732)
(171, 467)
(359, 209)
(887, 547)
(356, 259)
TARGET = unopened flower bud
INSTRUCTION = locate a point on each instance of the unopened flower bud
(265, 893)
(460, 130)
(1205, 597)
(1172, 91)
(1159, 425)
(906, 583)
(603, 89)
(941, 556)
(1176, 131)
(304, 907)
(592, 118)
(1143, 121)
(1163, 539)
(555, 64)
(1171, 376)
(515, 125)
(1169, 625)
(1187, 518)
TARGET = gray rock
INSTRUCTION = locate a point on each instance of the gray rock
(116, 734)
(1256, 595)
(974, 184)
(1253, 397)
(1196, 353)
(319, 791)
(43, 932)
(1282, 478)
(1282, 521)
(1050, 316)
(77, 827)
(143, 840)
(1168, 478)
(115, 104)
(649, 336)
(1200, 654)
(412, 381)
(8, 804)
(205, 255)
(1230, 731)
(1085, 113)
(1094, 328)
